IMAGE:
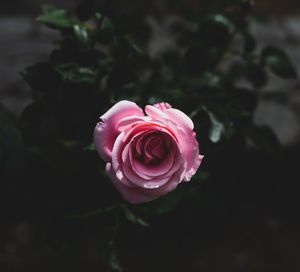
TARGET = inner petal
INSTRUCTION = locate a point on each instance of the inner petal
(157, 148)
(154, 148)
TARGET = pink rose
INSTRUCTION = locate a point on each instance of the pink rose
(147, 156)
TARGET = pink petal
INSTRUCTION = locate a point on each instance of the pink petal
(180, 118)
(190, 152)
(173, 182)
(156, 170)
(107, 129)
(156, 113)
(169, 114)
(156, 176)
(192, 171)
(132, 195)
(130, 121)
(163, 106)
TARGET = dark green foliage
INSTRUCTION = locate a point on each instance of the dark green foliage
(102, 57)
(55, 18)
(75, 73)
(217, 128)
(132, 218)
(111, 258)
(81, 34)
(278, 62)
(105, 33)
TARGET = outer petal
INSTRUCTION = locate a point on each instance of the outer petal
(107, 129)
(170, 114)
(180, 118)
(192, 171)
(163, 106)
(190, 152)
(132, 195)
(156, 114)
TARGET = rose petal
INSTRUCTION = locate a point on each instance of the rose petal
(156, 113)
(190, 152)
(192, 171)
(107, 129)
(174, 180)
(163, 106)
(180, 118)
(132, 195)
(130, 121)
(182, 125)
(144, 179)
(154, 170)
(141, 182)
(176, 116)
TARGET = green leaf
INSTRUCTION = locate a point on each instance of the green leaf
(106, 23)
(217, 128)
(55, 18)
(106, 32)
(278, 62)
(75, 73)
(81, 34)
(111, 258)
(131, 217)
(136, 47)
(212, 80)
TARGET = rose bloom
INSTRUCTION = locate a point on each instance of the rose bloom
(147, 155)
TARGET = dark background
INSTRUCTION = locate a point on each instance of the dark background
(249, 220)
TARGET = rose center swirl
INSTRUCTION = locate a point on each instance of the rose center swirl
(152, 148)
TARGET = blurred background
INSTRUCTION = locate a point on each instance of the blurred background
(249, 218)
